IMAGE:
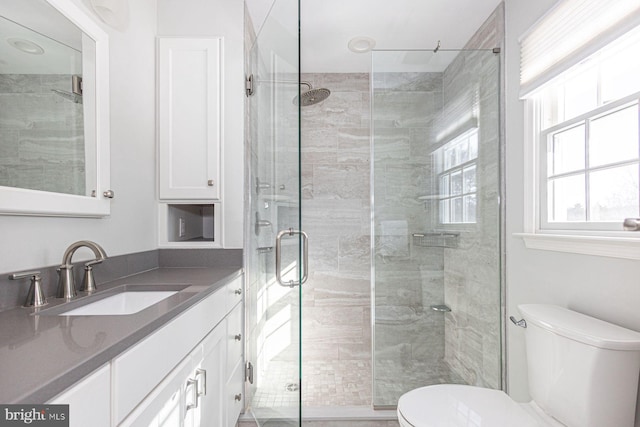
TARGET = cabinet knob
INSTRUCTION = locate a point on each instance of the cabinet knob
(238, 397)
(238, 337)
(238, 291)
(210, 183)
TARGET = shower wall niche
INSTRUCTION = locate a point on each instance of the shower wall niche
(436, 223)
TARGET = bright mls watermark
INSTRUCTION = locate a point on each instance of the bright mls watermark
(34, 415)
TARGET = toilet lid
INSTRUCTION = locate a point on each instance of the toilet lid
(449, 405)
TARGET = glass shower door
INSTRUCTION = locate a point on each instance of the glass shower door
(436, 220)
(274, 257)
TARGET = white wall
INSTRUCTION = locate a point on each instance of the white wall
(207, 18)
(605, 288)
(29, 242)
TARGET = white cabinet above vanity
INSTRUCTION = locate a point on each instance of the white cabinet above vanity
(200, 142)
(190, 117)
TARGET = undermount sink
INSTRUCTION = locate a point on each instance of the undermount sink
(120, 304)
(119, 301)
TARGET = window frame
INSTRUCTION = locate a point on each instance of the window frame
(543, 177)
(440, 171)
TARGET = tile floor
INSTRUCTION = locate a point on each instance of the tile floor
(325, 383)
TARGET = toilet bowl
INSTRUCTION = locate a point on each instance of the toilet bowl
(583, 372)
(453, 405)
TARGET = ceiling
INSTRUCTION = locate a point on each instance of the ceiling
(328, 25)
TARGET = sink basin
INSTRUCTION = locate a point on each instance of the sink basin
(120, 304)
(120, 300)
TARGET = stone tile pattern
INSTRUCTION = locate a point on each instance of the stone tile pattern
(326, 383)
(409, 336)
(472, 282)
(336, 322)
(41, 134)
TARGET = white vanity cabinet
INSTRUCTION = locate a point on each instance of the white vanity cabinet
(188, 373)
(192, 395)
(190, 125)
(89, 400)
(179, 375)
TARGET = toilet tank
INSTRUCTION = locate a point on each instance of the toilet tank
(582, 371)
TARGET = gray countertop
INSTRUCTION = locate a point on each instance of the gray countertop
(43, 354)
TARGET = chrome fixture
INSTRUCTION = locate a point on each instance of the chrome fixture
(88, 282)
(441, 308)
(66, 282)
(260, 223)
(311, 96)
(305, 256)
(631, 224)
(522, 323)
(35, 296)
(75, 95)
(261, 185)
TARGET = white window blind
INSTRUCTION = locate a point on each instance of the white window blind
(569, 33)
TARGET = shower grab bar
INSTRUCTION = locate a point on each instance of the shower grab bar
(305, 257)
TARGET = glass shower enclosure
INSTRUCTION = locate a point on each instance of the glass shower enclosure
(436, 258)
(274, 245)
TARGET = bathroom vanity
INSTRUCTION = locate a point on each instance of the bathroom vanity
(179, 359)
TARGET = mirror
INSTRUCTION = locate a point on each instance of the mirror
(54, 128)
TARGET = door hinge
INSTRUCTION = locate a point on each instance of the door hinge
(248, 85)
(248, 372)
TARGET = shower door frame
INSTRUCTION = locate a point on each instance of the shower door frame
(273, 236)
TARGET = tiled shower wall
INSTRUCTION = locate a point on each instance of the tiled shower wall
(336, 215)
(42, 135)
(472, 271)
(409, 336)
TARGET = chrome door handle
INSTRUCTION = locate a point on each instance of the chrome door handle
(305, 257)
(201, 373)
(194, 394)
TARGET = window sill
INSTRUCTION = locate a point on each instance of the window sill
(613, 247)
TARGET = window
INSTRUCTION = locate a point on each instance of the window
(455, 165)
(589, 141)
(579, 68)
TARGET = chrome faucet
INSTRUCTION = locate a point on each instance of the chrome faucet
(66, 282)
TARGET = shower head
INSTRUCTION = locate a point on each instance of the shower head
(311, 96)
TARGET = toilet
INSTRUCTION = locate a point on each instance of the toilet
(583, 372)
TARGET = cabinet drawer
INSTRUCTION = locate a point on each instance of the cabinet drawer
(235, 338)
(235, 395)
(234, 291)
(139, 370)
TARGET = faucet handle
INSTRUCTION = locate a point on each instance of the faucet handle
(35, 296)
(92, 263)
(89, 282)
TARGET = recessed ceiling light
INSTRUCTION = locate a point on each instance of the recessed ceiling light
(114, 13)
(26, 46)
(361, 44)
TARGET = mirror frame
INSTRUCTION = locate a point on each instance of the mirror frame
(20, 201)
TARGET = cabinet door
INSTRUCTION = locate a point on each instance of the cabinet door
(164, 407)
(190, 97)
(211, 378)
(89, 400)
(234, 396)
